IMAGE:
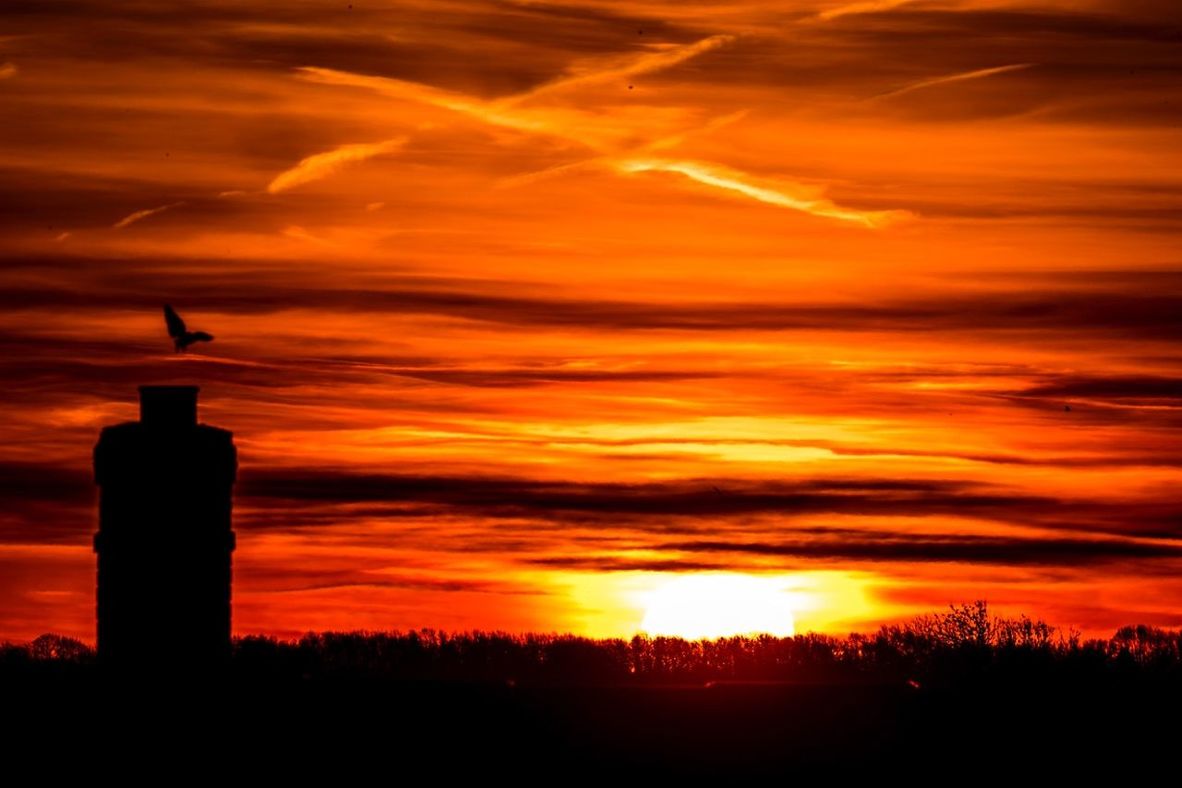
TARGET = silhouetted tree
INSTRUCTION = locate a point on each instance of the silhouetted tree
(59, 647)
(963, 645)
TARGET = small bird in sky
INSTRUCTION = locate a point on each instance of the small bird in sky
(181, 336)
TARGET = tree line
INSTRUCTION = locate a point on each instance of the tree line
(964, 644)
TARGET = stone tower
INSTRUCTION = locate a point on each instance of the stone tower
(165, 537)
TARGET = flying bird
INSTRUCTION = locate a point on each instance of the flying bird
(181, 336)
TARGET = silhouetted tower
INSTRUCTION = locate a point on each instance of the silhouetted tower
(164, 538)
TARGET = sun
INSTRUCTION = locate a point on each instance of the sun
(718, 605)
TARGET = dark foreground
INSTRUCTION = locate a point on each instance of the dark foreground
(957, 697)
(442, 730)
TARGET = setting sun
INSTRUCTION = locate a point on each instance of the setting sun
(719, 605)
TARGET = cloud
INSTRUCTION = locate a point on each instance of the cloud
(965, 548)
(963, 76)
(868, 7)
(679, 505)
(7, 70)
(1143, 305)
(1111, 458)
(614, 163)
(41, 481)
(273, 579)
(903, 548)
(322, 165)
(715, 518)
(503, 112)
(493, 496)
(137, 216)
(319, 482)
(44, 503)
(1109, 387)
(793, 196)
(488, 112)
(516, 378)
(620, 67)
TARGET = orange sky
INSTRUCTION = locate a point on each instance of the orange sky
(524, 309)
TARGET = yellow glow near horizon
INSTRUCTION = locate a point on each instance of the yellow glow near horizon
(622, 604)
(719, 605)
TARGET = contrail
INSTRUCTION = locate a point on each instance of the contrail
(712, 125)
(425, 94)
(961, 77)
(132, 218)
(793, 196)
(868, 7)
(611, 162)
(572, 126)
(643, 64)
(504, 111)
(322, 165)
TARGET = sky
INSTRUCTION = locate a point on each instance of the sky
(528, 313)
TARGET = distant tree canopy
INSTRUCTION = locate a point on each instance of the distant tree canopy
(965, 644)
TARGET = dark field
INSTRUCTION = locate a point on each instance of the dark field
(953, 696)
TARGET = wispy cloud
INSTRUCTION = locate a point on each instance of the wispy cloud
(488, 112)
(322, 165)
(505, 112)
(612, 162)
(498, 111)
(868, 7)
(7, 70)
(959, 77)
(137, 216)
(794, 196)
(628, 66)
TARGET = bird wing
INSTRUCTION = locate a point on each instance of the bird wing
(200, 336)
(176, 326)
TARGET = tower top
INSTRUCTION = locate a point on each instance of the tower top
(169, 407)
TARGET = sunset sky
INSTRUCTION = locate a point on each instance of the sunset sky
(526, 312)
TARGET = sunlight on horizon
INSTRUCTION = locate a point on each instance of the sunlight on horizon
(719, 605)
(715, 604)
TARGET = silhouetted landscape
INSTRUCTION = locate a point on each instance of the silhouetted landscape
(963, 646)
(943, 688)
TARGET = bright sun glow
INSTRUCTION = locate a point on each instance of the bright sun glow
(719, 605)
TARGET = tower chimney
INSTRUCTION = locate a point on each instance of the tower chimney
(165, 538)
(168, 407)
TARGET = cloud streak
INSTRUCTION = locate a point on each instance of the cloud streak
(962, 76)
(322, 165)
(647, 506)
(620, 67)
(792, 196)
(503, 112)
(935, 549)
(139, 216)
(1139, 306)
(854, 9)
